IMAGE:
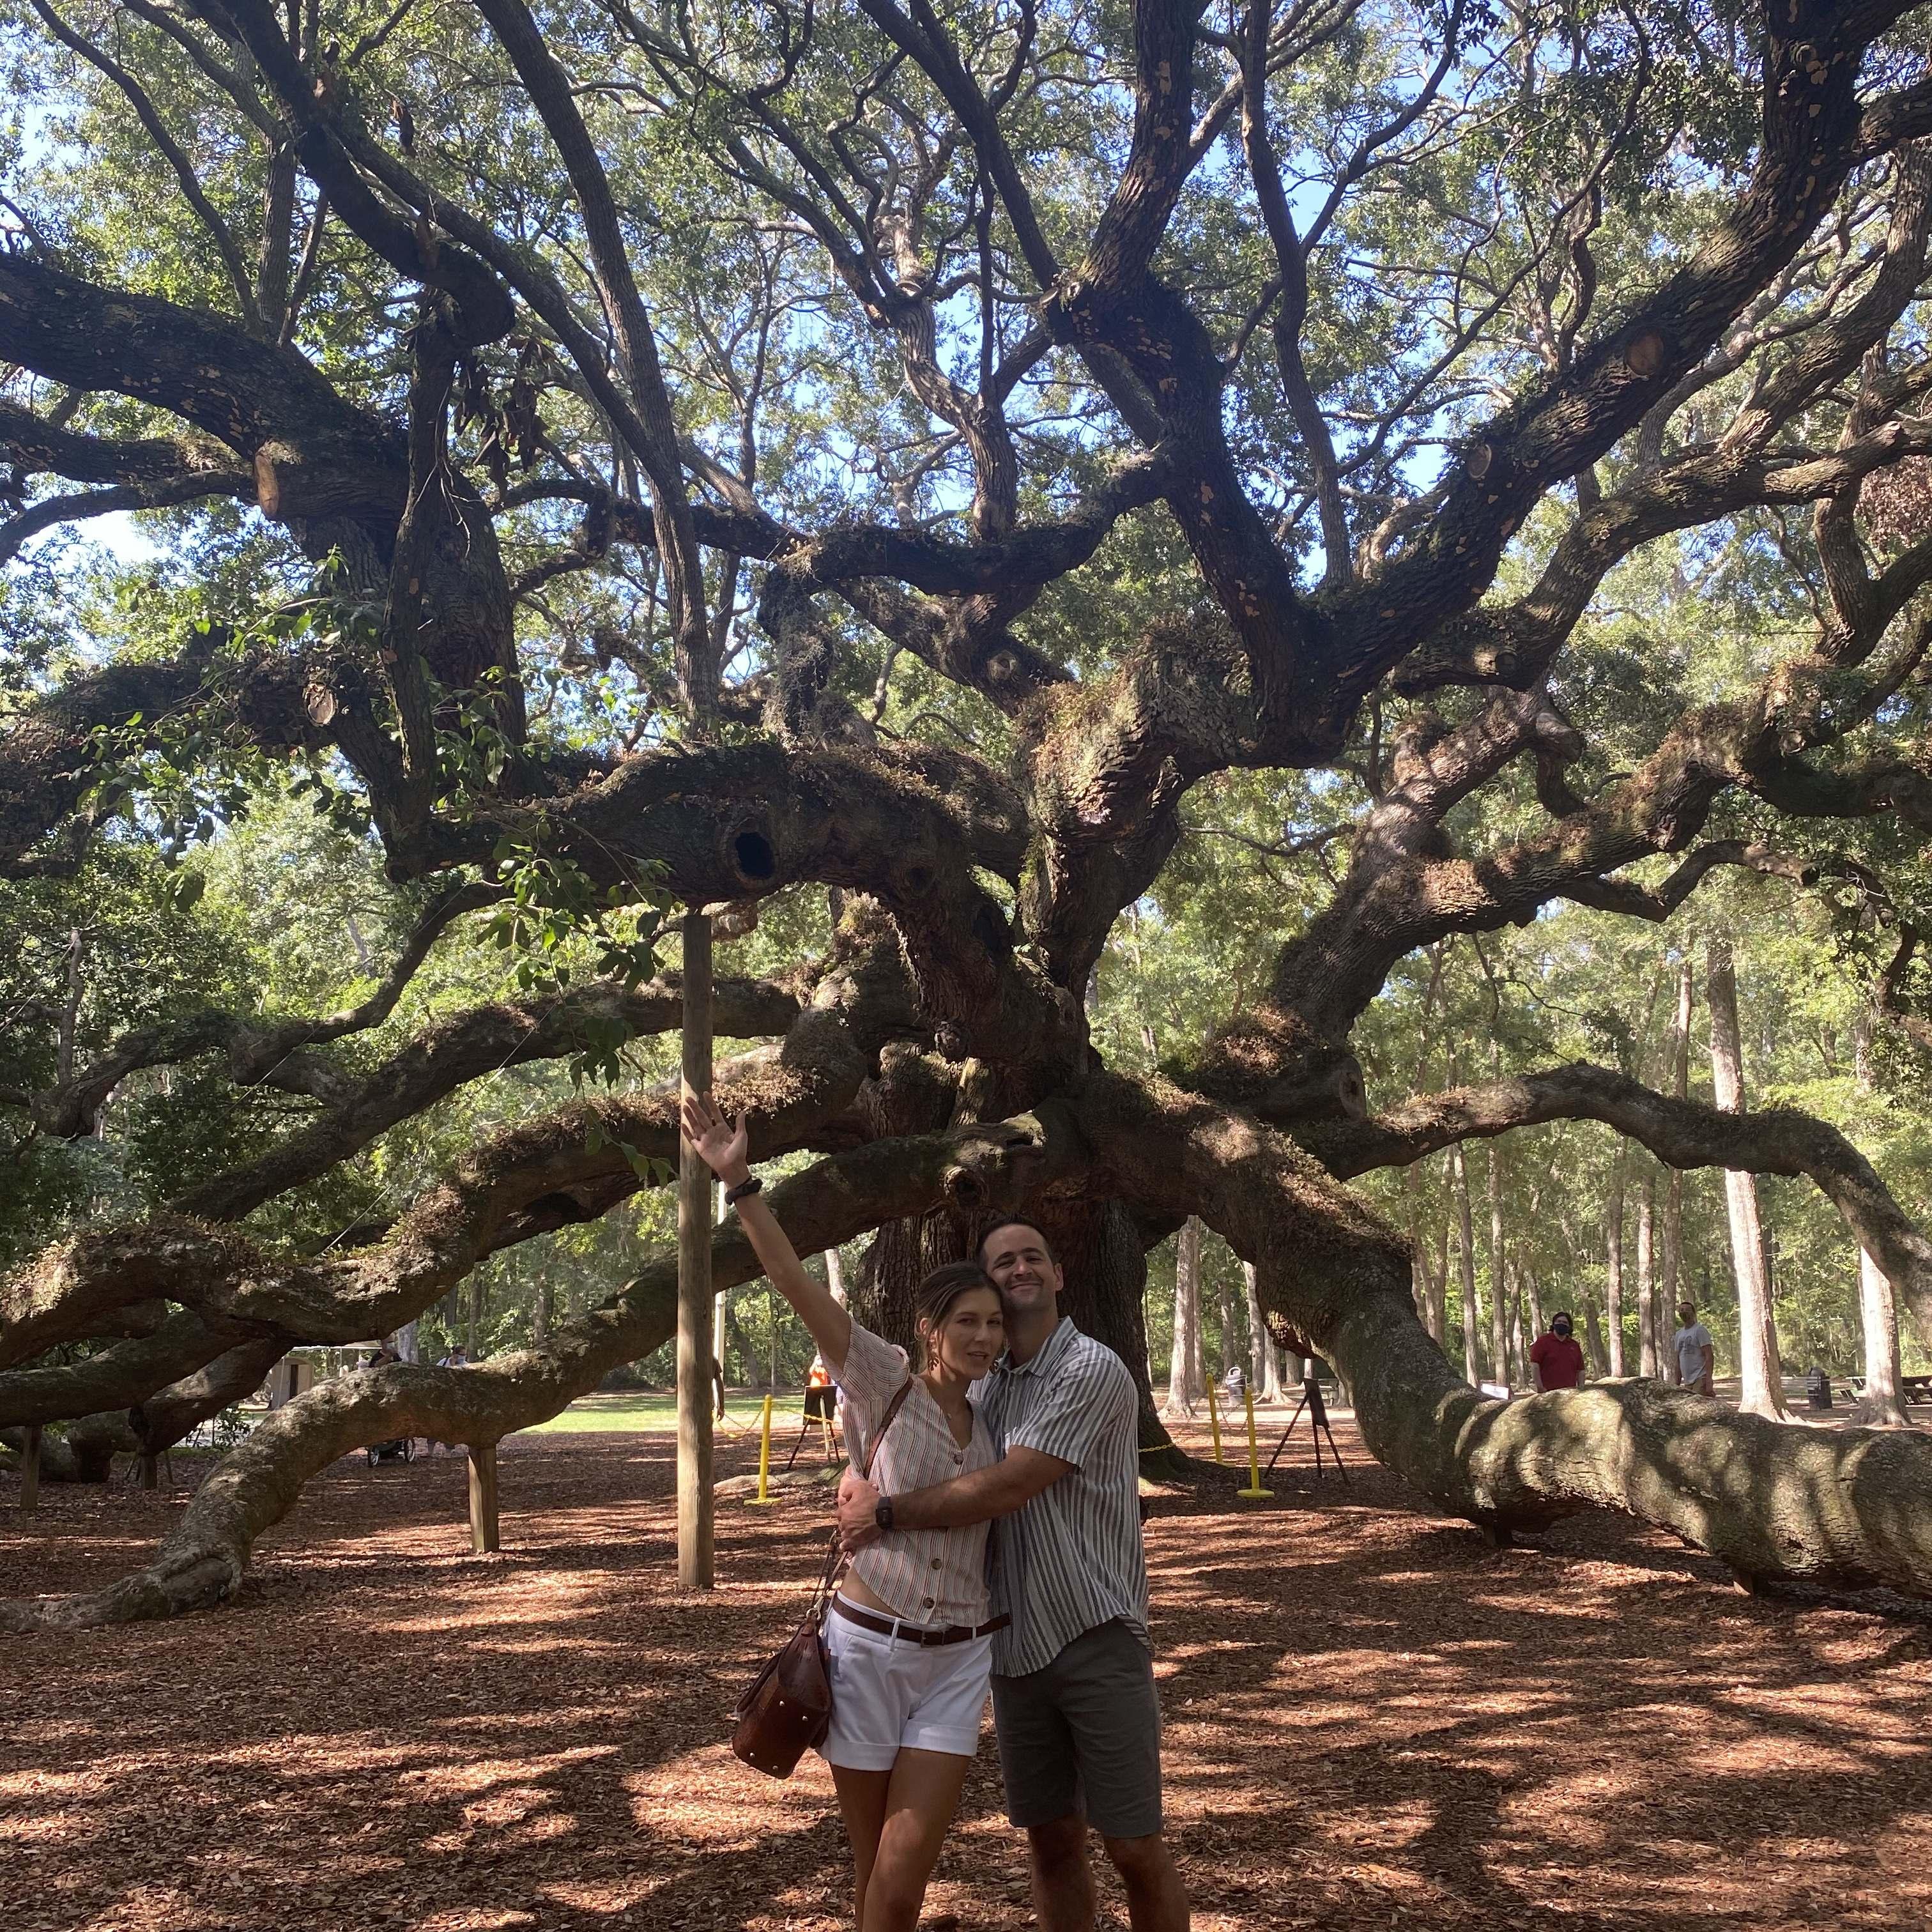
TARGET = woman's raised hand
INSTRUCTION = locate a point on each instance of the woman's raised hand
(720, 1145)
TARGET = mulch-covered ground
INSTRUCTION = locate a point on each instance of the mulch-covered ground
(1373, 1720)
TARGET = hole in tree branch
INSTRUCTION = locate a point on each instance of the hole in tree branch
(752, 854)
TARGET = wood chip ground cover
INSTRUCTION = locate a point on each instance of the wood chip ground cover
(1373, 1720)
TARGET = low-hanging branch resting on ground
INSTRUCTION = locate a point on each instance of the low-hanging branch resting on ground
(1845, 1506)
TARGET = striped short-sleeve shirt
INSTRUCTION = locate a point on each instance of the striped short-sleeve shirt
(1071, 1559)
(928, 1576)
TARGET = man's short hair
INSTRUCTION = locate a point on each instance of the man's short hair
(1015, 1221)
(1563, 1315)
(1686, 1311)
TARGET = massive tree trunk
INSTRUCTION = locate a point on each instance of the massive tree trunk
(1762, 1374)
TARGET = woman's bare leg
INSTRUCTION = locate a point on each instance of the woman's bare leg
(862, 1803)
(922, 1795)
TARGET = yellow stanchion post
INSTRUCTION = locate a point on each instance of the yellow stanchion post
(764, 1494)
(1214, 1422)
(1254, 1488)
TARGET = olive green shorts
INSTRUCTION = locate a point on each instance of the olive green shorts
(1083, 1735)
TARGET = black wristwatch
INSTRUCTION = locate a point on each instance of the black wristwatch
(882, 1515)
(751, 1184)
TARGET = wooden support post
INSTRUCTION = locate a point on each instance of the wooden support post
(30, 1469)
(150, 1471)
(694, 1279)
(484, 1534)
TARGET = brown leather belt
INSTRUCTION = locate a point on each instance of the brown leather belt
(918, 1633)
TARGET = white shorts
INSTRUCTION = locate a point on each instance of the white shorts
(887, 1695)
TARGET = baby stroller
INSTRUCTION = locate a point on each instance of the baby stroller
(402, 1450)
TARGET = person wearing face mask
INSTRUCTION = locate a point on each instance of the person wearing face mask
(1556, 1359)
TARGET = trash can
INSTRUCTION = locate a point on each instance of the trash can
(1818, 1389)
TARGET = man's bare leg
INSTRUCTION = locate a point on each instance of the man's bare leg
(1063, 1881)
(1156, 1900)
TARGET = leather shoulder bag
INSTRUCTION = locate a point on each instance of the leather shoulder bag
(787, 1708)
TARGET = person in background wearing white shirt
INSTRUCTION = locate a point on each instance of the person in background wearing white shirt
(1691, 1354)
(909, 1647)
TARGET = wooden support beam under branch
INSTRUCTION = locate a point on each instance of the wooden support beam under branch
(484, 1534)
(695, 1567)
(30, 1469)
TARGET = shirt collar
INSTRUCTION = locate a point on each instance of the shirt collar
(1048, 1355)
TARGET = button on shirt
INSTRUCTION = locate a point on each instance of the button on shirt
(1071, 1560)
(928, 1576)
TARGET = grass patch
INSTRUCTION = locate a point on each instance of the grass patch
(652, 1413)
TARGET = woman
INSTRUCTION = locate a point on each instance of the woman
(909, 1643)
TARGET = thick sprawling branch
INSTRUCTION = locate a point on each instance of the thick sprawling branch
(118, 1377)
(316, 459)
(1681, 1133)
(973, 1169)
(471, 1046)
(1844, 1506)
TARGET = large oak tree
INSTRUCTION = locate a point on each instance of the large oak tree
(703, 453)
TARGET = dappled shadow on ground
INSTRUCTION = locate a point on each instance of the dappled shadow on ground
(1372, 1721)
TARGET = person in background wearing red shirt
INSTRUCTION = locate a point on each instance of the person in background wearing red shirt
(1556, 1359)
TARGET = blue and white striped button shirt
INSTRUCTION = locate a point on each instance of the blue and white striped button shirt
(1071, 1560)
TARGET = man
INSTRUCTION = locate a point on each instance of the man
(1074, 1705)
(1691, 1354)
(1556, 1359)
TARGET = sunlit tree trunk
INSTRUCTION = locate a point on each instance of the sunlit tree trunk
(835, 1275)
(1593, 1337)
(1671, 1290)
(1231, 1349)
(1264, 1364)
(1878, 1307)
(1533, 1288)
(1499, 1348)
(1613, 1264)
(1472, 1348)
(1646, 1274)
(1186, 1384)
(1762, 1376)
(1436, 1320)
